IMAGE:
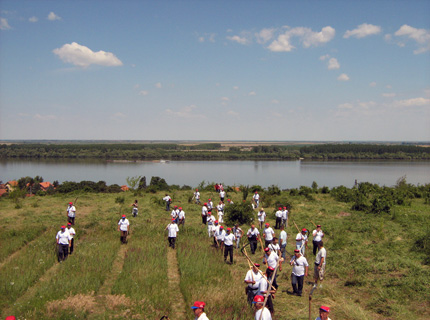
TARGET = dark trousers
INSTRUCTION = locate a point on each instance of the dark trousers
(124, 236)
(172, 241)
(228, 250)
(63, 251)
(315, 248)
(267, 242)
(71, 220)
(253, 244)
(203, 219)
(251, 293)
(278, 222)
(71, 245)
(297, 283)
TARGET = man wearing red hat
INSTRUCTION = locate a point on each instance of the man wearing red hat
(219, 236)
(124, 228)
(199, 310)
(72, 234)
(317, 234)
(253, 234)
(278, 215)
(173, 231)
(71, 213)
(229, 239)
(252, 278)
(302, 241)
(261, 217)
(197, 196)
(222, 195)
(181, 216)
(299, 272)
(63, 243)
(268, 235)
(168, 201)
(263, 288)
(210, 220)
(256, 198)
(285, 217)
(204, 212)
(324, 311)
(259, 302)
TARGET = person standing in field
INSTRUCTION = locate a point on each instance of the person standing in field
(71, 213)
(135, 209)
(320, 260)
(229, 201)
(197, 196)
(283, 241)
(181, 216)
(261, 217)
(263, 288)
(72, 235)
(172, 233)
(271, 259)
(63, 243)
(278, 215)
(210, 204)
(274, 247)
(124, 228)
(252, 235)
(211, 224)
(299, 272)
(302, 241)
(259, 303)
(317, 234)
(284, 217)
(220, 210)
(222, 195)
(324, 311)
(252, 279)
(199, 310)
(229, 239)
(219, 236)
(268, 235)
(175, 214)
(168, 201)
(256, 199)
(238, 233)
(204, 212)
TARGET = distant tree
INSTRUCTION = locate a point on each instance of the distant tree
(142, 183)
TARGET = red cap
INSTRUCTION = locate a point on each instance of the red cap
(267, 224)
(285, 207)
(176, 206)
(123, 215)
(173, 219)
(258, 298)
(70, 202)
(10, 318)
(304, 230)
(257, 265)
(228, 200)
(256, 191)
(221, 227)
(266, 249)
(228, 229)
(69, 224)
(209, 199)
(205, 203)
(296, 250)
(198, 305)
(271, 268)
(180, 208)
(63, 227)
(325, 309)
(216, 221)
(280, 208)
(318, 226)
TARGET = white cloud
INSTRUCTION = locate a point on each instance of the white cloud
(233, 113)
(420, 36)
(158, 85)
(225, 99)
(372, 84)
(324, 57)
(187, 112)
(4, 25)
(414, 102)
(363, 30)
(82, 56)
(235, 88)
(207, 37)
(307, 37)
(388, 37)
(333, 64)
(274, 101)
(265, 35)
(345, 106)
(252, 93)
(33, 19)
(388, 86)
(118, 116)
(343, 77)
(52, 16)
(389, 95)
(201, 39)
(238, 39)
(143, 93)
(48, 117)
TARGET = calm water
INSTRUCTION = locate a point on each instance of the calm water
(285, 174)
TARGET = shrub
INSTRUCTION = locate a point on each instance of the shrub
(273, 190)
(158, 184)
(342, 194)
(241, 213)
(422, 245)
(120, 199)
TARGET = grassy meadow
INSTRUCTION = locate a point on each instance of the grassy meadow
(374, 270)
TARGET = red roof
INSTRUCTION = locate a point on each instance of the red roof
(45, 185)
(2, 192)
(125, 188)
(13, 183)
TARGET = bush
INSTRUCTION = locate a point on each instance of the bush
(343, 194)
(273, 190)
(241, 213)
(422, 245)
(158, 184)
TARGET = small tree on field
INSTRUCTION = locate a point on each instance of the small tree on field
(241, 213)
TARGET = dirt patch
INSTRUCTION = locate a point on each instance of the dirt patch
(344, 214)
(177, 301)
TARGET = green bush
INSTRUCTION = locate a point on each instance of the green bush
(241, 213)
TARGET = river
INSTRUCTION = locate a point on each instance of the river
(284, 174)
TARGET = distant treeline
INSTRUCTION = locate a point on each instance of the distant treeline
(210, 151)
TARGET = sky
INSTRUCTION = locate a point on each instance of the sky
(215, 70)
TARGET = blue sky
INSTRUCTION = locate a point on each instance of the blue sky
(215, 70)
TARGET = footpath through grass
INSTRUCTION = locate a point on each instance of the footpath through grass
(374, 269)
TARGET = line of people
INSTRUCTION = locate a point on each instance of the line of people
(65, 237)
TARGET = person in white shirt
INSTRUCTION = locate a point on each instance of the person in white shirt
(285, 217)
(317, 235)
(204, 212)
(238, 233)
(210, 220)
(256, 198)
(72, 234)
(222, 195)
(135, 209)
(199, 310)
(71, 213)
(299, 272)
(324, 311)
(63, 243)
(302, 241)
(229, 239)
(210, 204)
(220, 210)
(175, 214)
(283, 241)
(274, 246)
(268, 235)
(271, 259)
(261, 217)
(219, 236)
(172, 233)
(263, 287)
(278, 215)
(181, 216)
(320, 260)
(124, 228)
(259, 302)
(168, 201)
(252, 235)
(229, 201)
(197, 196)
(252, 279)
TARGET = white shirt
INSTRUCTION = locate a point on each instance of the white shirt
(262, 286)
(237, 232)
(278, 214)
(269, 233)
(210, 220)
(173, 230)
(318, 318)
(222, 194)
(299, 265)
(261, 215)
(202, 317)
(251, 232)
(318, 235)
(275, 248)
(220, 234)
(182, 214)
(210, 205)
(220, 207)
(175, 213)
(197, 195)
(321, 254)
(300, 239)
(256, 197)
(167, 198)
(123, 224)
(71, 232)
(283, 237)
(63, 237)
(252, 276)
(204, 210)
(71, 211)
(228, 239)
(285, 214)
(266, 314)
(272, 259)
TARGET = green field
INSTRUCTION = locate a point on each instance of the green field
(376, 268)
